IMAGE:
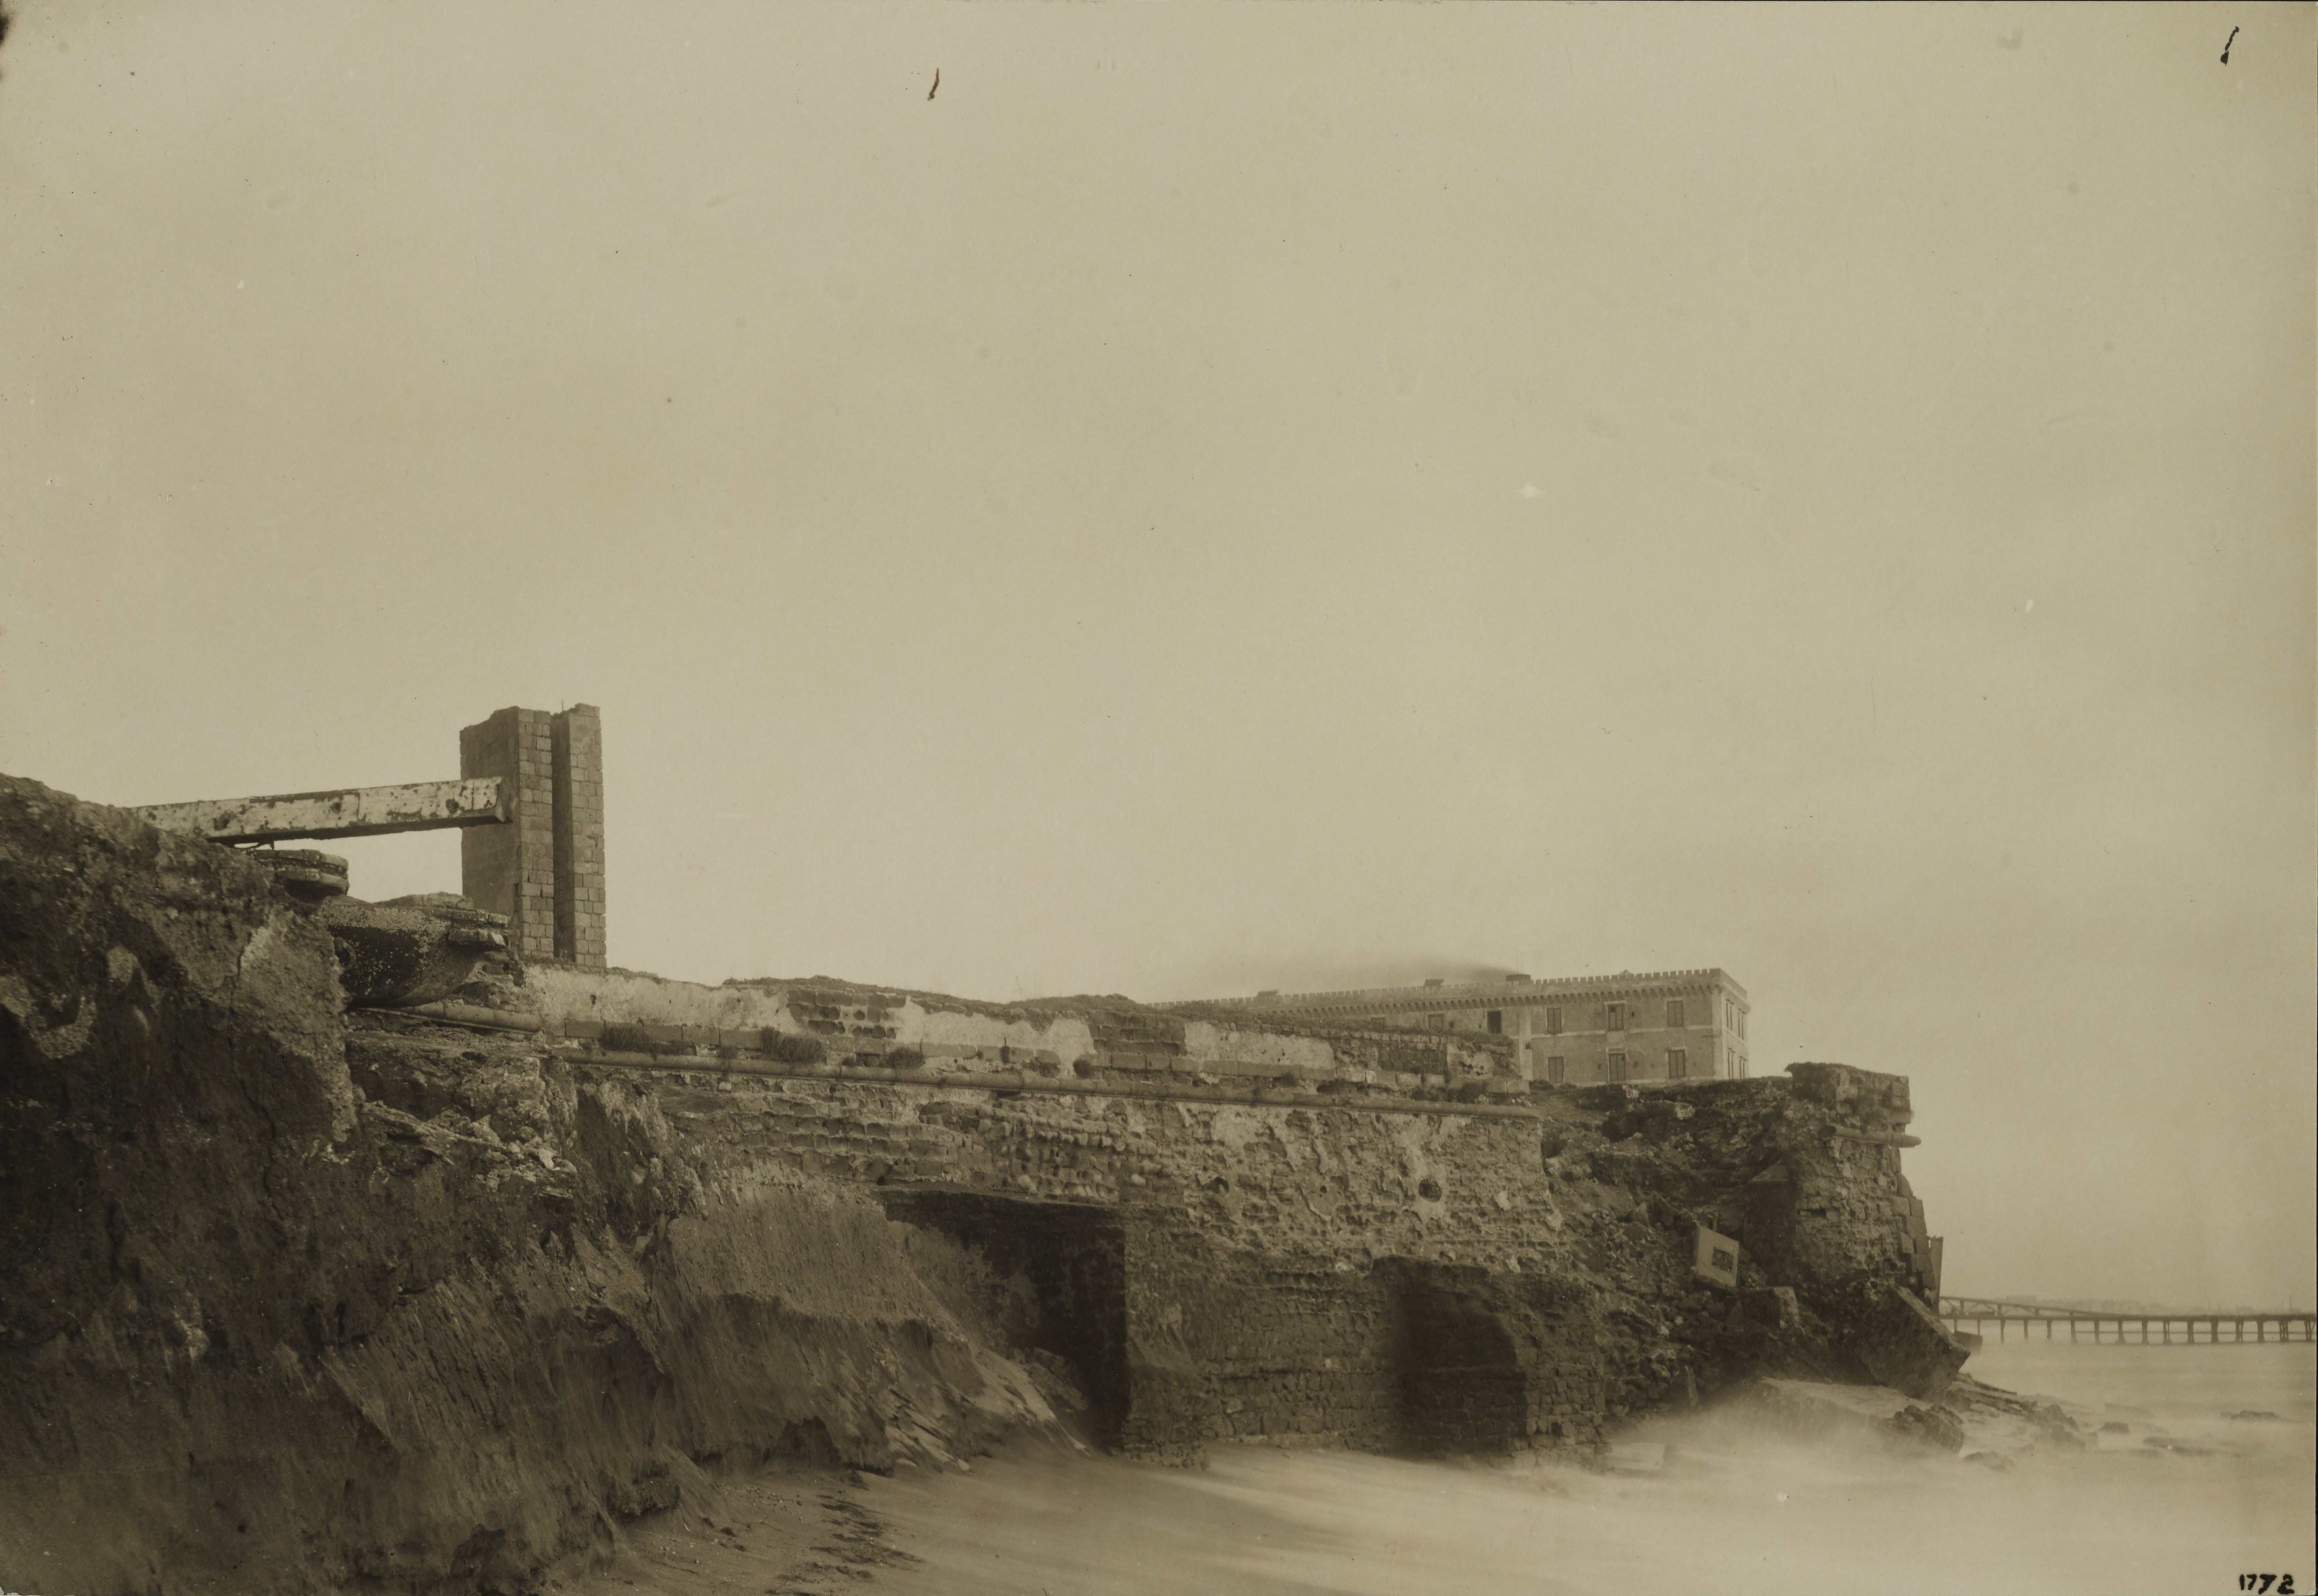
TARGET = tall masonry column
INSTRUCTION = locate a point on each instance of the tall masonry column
(544, 870)
(578, 738)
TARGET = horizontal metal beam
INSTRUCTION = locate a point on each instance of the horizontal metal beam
(350, 811)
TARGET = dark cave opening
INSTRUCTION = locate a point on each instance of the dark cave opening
(1072, 1258)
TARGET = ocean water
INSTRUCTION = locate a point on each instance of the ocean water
(2181, 1499)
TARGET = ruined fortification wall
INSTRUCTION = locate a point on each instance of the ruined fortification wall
(1293, 1258)
(298, 1295)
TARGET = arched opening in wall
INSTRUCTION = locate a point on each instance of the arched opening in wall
(1461, 1386)
(1060, 1302)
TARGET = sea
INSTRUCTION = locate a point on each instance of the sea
(2199, 1473)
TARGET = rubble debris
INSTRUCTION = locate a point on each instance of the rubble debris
(412, 950)
(1935, 1426)
(306, 874)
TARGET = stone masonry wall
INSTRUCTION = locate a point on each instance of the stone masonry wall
(510, 869)
(545, 870)
(577, 736)
(1298, 1205)
(1837, 1207)
(1289, 1270)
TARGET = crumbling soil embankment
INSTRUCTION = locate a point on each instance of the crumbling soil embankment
(278, 1313)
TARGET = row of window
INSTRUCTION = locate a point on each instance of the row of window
(1621, 1017)
(1615, 1016)
(1619, 1065)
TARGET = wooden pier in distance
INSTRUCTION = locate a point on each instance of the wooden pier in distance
(1976, 1313)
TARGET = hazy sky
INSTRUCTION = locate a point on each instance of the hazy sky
(1229, 498)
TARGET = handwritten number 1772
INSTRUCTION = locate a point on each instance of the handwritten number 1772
(2273, 1585)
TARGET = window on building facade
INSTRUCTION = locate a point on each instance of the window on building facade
(1439, 1022)
(1617, 1017)
(1675, 1012)
(1557, 1069)
(1496, 1022)
(1553, 1022)
(1677, 1063)
(1730, 1013)
(1617, 1066)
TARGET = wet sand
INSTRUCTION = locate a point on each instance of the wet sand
(778, 1531)
(2180, 1498)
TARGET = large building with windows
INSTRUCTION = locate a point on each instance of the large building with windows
(1670, 1025)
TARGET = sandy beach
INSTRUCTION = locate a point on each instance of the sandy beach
(2174, 1495)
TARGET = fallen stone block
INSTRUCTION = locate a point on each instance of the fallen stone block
(2011, 1422)
(1903, 1345)
(1877, 1415)
(1816, 1409)
(1773, 1306)
(1933, 1427)
(306, 874)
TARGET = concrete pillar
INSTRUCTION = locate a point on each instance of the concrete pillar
(545, 869)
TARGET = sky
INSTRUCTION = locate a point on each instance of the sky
(1210, 498)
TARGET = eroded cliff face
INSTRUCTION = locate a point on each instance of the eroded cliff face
(294, 1297)
(267, 1327)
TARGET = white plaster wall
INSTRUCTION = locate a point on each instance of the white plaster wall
(1204, 1042)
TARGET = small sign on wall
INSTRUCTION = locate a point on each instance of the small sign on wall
(1717, 1261)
